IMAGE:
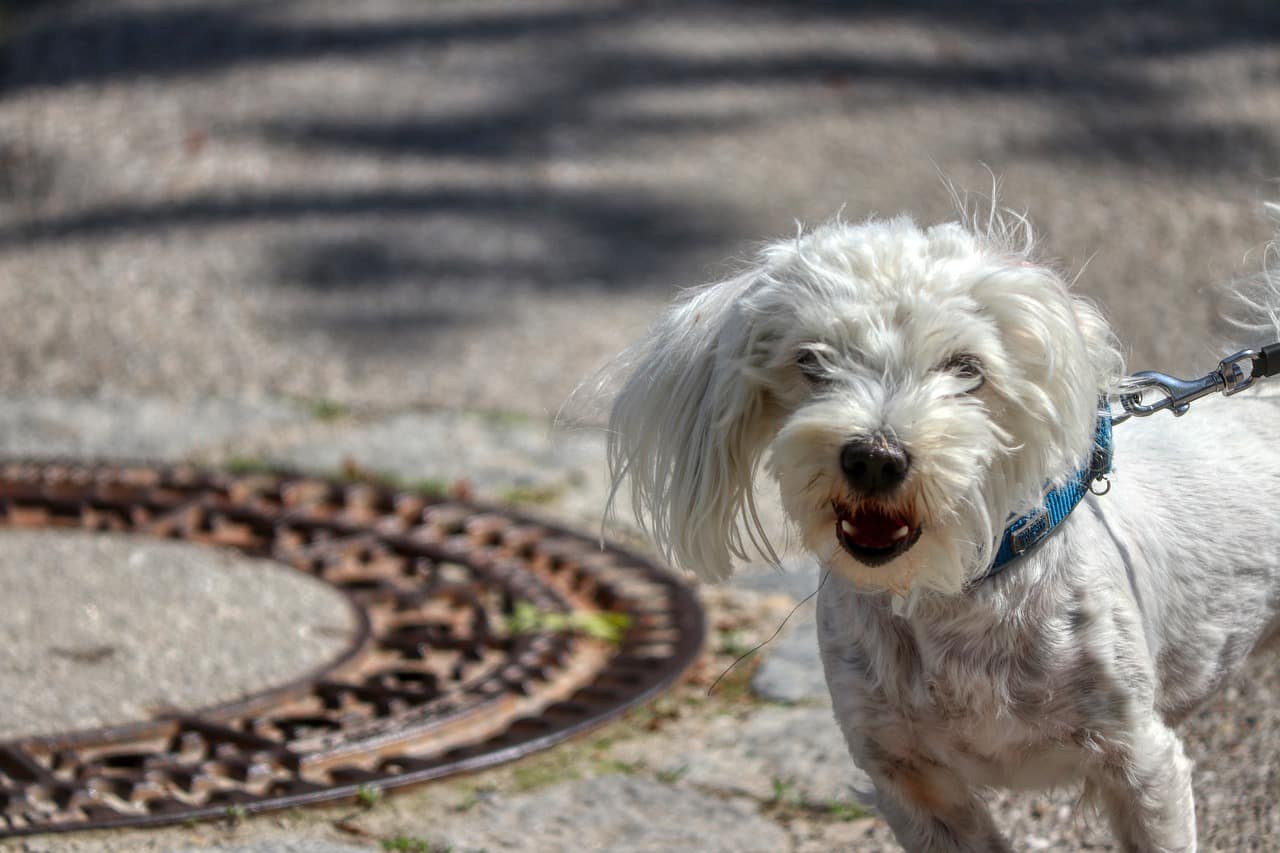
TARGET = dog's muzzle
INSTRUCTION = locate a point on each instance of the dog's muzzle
(874, 467)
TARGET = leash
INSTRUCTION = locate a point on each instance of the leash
(1231, 377)
(1177, 395)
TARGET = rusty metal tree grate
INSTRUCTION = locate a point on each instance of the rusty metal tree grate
(433, 683)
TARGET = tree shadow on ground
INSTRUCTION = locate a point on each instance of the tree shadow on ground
(1171, 145)
(587, 73)
(593, 234)
(96, 45)
(1093, 28)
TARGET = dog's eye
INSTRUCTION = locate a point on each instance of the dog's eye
(810, 364)
(966, 366)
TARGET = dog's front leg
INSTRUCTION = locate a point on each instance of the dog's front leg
(1145, 787)
(932, 811)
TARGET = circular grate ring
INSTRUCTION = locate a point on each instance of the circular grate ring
(436, 679)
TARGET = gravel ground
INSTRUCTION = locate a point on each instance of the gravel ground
(756, 764)
(399, 234)
(474, 202)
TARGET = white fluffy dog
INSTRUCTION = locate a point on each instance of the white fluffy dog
(912, 390)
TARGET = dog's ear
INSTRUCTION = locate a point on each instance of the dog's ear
(1068, 359)
(1105, 355)
(689, 426)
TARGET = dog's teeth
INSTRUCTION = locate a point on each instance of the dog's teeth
(848, 528)
(901, 533)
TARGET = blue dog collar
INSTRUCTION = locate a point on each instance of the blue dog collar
(1027, 531)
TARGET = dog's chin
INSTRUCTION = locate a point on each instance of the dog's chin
(897, 575)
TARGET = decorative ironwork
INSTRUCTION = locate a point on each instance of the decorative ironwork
(434, 681)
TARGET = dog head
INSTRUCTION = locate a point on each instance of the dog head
(908, 389)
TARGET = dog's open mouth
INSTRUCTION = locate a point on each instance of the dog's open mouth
(873, 535)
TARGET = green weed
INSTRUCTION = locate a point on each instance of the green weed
(526, 618)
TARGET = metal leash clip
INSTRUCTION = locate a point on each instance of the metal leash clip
(1177, 395)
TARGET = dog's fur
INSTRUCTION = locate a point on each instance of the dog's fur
(955, 344)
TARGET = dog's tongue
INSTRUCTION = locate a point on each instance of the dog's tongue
(875, 529)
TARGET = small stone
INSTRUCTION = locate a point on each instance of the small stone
(129, 428)
(802, 747)
(280, 845)
(615, 813)
(792, 670)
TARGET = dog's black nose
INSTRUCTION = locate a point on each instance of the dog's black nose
(875, 465)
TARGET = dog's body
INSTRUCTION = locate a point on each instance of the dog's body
(1076, 661)
(912, 390)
